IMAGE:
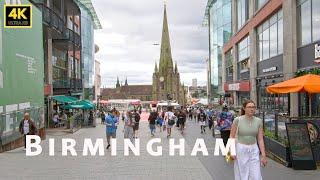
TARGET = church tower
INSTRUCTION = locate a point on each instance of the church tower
(166, 78)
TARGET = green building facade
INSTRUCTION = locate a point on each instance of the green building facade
(21, 75)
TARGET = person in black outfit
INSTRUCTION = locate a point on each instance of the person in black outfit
(182, 120)
(202, 120)
(136, 116)
(152, 122)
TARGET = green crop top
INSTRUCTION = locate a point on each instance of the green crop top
(247, 129)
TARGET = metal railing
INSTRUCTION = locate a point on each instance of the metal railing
(54, 20)
(274, 124)
(51, 18)
(76, 83)
(9, 123)
(61, 83)
(67, 83)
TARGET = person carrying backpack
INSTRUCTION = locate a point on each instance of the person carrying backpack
(136, 117)
(169, 118)
(182, 120)
(152, 122)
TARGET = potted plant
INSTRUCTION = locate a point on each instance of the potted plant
(278, 147)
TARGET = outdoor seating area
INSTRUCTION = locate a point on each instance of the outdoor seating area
(288, 144)
(71, 112)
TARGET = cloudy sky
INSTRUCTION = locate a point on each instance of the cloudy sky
(131, 27)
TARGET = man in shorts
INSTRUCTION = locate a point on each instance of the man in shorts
(111, 126)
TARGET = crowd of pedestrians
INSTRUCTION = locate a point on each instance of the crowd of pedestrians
(244, 127)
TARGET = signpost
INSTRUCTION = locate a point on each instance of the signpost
(300, 146)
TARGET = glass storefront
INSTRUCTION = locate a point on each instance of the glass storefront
(308, 15)
(220, 33)
(270, 37)
(273, 101)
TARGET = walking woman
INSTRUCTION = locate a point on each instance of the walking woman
(249, 131)
(128, 126)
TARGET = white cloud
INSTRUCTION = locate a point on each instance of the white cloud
(131, 27)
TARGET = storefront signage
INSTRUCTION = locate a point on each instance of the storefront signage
(269, 69)
(234, 87)
(317, 53)
(300, 146)
(239, 86)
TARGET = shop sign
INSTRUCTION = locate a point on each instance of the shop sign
(269, 69)
(239, 86)
(234, 87)
(317, 53)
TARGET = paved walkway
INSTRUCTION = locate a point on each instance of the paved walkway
(15, 165)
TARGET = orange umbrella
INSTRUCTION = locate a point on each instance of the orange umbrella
(309, 83)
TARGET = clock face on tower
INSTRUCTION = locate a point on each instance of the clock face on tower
(161, 79)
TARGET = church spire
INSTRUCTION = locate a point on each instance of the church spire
(118, 83)
(165, 54)
(126, 82)
(155, 67)
(176, 68)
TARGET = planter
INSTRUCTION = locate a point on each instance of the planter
(316, 152)
(277, 149)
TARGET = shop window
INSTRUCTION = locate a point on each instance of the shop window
(244, 66)
(229, 63)
(244, 54)
(244, 49)
(242, 12)
(308, 12)
(260, 3)
(270, 37)
(269, 101)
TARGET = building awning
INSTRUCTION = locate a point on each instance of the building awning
(83, 104)
(65, 99)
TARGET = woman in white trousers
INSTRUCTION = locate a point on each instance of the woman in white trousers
(248, 131)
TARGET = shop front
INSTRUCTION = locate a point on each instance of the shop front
(237, 92)
(309, 62)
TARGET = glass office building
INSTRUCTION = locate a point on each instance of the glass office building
(218, 17)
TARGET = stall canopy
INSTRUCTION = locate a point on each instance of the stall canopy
(309, 83)
(65, 99)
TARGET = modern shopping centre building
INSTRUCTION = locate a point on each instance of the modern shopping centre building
(257, 43)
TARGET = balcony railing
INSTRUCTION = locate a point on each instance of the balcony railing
(61, 83)
(76, 83)
(72, 37)
(55, 21)
(51, 18)
(67, 83)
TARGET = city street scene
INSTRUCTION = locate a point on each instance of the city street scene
(160, 89)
